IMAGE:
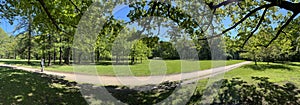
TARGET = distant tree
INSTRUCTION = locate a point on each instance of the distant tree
(280, 49)
(152, 43)
(6, 44)
(167, 50)
(139, 50)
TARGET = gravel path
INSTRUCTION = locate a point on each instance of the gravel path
(136, 81)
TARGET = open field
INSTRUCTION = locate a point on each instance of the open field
(52, 90)
(278, 73)
(276, 82)
(148, 67)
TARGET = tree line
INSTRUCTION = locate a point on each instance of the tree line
(48, 29)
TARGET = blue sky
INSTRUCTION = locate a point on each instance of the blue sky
(120, 12)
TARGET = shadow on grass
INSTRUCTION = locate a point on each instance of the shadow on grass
(38, 63)
(293, 64)
(21, 87)
(263, 67)
(26, 88)
(23, 62)
(239, 92)
(140, 95)
(33, 63)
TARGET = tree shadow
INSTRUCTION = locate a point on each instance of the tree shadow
(32, 63)
(263, 67)
(293, 64)
(139, 95)
(106, 63)
(22, 87)
(239, 92)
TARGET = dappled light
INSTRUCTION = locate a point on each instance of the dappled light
(21, 87)
(238, 92)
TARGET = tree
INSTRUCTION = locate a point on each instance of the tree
(280, 49)
(6, 48)
(63, 16)
(139, 50)
(121, 46)
(152, 43)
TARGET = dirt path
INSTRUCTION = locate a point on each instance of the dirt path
(135, 81)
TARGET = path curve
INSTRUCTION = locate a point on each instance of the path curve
(136, 81)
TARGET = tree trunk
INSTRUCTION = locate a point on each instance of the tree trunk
(43, 54)
(79, 58)
(15, 54)
(93, 57)
(255, 59)
(60, 51)
(49, 58)
(67, 56)
(49, 52)
(117, 59)
(74, 55)
(29, 41)
(97, 55)
(132, 60)
(54, 55)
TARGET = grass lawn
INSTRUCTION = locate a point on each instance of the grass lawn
(276, 72)
(279, 88)
(148, 67)
(21, 87)
(26, 88)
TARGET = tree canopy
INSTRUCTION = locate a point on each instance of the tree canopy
(54, 23)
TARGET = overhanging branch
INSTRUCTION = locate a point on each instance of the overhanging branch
(224, 3)
(50, 16)
(257, 26)
(282, 27)
(76, 7)
(74, 26)
(239, 22)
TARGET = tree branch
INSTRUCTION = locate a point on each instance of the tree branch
(280, 3)
(286, 5)
(49, 15)
(224, 3)
(257, 26)
(74, 26)
(76, 7)
(282, 27)
(239, 22)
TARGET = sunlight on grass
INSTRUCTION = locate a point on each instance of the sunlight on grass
(278, 73)
(26, 88)
(148, 67)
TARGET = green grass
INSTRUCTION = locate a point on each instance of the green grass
(148, 67)
(279, 73)
(21, 87)
(276, 82)
(276, 72)
(26, 88)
